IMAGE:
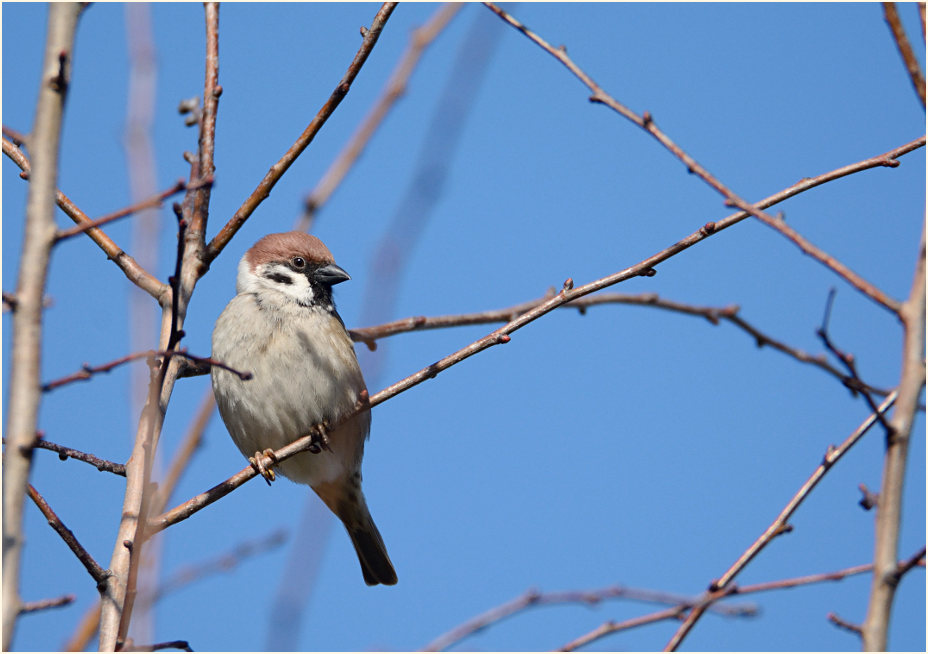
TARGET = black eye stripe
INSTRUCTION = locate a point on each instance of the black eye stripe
(280, 278)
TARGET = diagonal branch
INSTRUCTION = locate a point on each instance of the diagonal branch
(779, 526)
(98, 573)
(646, 122)
(267, 184)
(129, 266)
(905, 48)
(567, 295)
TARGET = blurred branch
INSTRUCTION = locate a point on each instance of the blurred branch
(534, 598)
(646, 122)
(395, 87)
(905, 48)
(185, 452)
(190, 265)
(24, 397)
(194, 572)
(889, 508)
(779, 525)
(130, 267)
(42, 605)
(98, 573)
(264, 188)
(16, 137)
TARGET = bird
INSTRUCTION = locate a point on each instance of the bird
(283, 328)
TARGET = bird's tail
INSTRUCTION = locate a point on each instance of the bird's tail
(351, 509)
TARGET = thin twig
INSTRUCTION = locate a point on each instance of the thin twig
(854, 382)
(129, 266)
(218, 491)
(153, 202)
(647, 123)
(611, 627)
(905, 49)
(98, 573)
(87, 371)
(42, 605)
(844, 624)
(264, 188)
(533, 598)
(779, 525)
(715, 315)
(65, 453)
(395, 87)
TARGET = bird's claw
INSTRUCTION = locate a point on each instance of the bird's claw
(320, 436)
(263, 463)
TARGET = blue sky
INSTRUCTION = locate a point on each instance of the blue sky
(626, 446)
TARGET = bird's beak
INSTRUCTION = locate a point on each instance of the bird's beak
(331, 274)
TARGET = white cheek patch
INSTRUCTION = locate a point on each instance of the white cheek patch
(279, 278)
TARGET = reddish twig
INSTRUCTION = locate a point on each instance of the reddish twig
(65, 453)
(905, 49)
(87, 371)
(779, 525)
(130, 267)
(611, 627)
(42, 605)
(98, 573)
(567, 295)
(715, 315)
(844, 624)
(153, 202)
(16, 137)
(646, 122)
(264, 188)
(533, 598)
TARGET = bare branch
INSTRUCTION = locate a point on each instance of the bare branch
(534, 598)
(87, 371)
(263, 189)
(889, 509)
(610, 627)
(99, 574)
(154, 202)
(42, 605)
(130, 267)
(38, 238)
(779, 525)
(844, 624)
(715, 315)
(646, 122)
(65, 453)
(905, 48)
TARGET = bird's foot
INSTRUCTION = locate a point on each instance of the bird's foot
(263, 463)
(320, 434)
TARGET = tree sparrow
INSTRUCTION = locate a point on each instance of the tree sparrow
(282, 327)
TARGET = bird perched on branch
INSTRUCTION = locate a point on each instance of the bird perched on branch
(282, 327)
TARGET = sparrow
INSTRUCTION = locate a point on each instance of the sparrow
(283, 328)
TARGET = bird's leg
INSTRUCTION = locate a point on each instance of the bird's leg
(263, 463)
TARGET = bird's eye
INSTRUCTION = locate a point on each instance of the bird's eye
(298, 262)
